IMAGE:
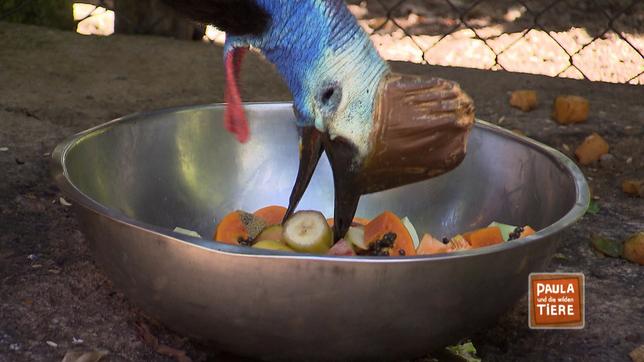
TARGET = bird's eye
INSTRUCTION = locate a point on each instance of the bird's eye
(326, 95)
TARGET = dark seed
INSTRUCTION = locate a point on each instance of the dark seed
(445, 240)
(401, 252)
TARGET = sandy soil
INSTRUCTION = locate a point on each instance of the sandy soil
(54, 83)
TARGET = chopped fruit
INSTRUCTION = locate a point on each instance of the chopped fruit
(231, 230)
(634, 248)
(385, 230)
(633, 187)
(412, 231)
(272, 215)
(525, 100)
(593, 147)
(357, 221)
(429, 245)
(253, 224)
(341, 248)
(527, 231)
(505, 229)
(483, 237)
(355, 236)
(458, 243)
(272, 245)
(308, 231)
(570, 109)
(273, 232)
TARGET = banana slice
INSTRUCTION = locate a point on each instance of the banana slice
(271, 245)
(308, 232)
(355, 236)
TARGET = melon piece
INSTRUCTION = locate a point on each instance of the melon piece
(457, 243)
(484, 237)
(430, 245)
(412, 231)
(272, 245)
(308, 232)
(231, 230)
(505, 229)
(341, 248)
(355, 236)
(387, 235)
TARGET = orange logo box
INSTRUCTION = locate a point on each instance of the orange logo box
(556, 300)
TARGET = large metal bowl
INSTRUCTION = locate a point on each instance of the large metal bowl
(135, 179)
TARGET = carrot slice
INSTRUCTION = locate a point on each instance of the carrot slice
(357, 221)
(231, 229)
(483, 237)
(385, 223)
(429, 245)
(273, 214)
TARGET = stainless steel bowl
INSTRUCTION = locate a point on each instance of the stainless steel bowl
(135, 179)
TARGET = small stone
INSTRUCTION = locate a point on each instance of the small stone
(77, 340)
(14, 347)
(607, 161)
(4, 149)
(64, 202)
(32, 257)
(52, 344)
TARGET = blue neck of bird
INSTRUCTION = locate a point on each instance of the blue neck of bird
(316, 41)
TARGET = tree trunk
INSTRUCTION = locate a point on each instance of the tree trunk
(153, 17)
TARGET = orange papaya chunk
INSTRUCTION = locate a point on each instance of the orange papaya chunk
(386, 223)
(429, 245)
(357, 221)
(273, 214)
(484, 237)
(231, 229)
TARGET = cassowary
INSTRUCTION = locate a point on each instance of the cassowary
(379, 129)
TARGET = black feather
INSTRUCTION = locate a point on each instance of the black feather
(236, 17)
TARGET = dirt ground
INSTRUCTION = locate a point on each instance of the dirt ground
(52, 296)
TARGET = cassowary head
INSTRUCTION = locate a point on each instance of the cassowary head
(379, 130)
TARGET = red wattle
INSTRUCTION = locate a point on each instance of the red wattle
(234, 117)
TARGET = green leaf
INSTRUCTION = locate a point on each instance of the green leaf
(608, 247)
(593, 207)
(465, 351)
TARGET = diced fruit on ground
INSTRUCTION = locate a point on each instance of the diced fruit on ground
(308, 232)
(633, 187)
(231, 230)
(570, 109)
(591, 149)
(634, 248)
(429, 245)
(525, 100)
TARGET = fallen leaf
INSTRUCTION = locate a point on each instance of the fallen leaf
(466, 351)
(593, 207)
(637, 355)
(85, 356)
(606, 246)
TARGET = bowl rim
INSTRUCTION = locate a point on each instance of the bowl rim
(61, 177)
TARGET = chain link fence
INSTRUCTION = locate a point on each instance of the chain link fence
(598, 40)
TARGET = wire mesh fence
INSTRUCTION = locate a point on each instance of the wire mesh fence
(598, 40)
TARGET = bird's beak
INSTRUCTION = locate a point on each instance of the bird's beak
(341, 155)
(310, 152)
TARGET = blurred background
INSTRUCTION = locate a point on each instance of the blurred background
(598, 40)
